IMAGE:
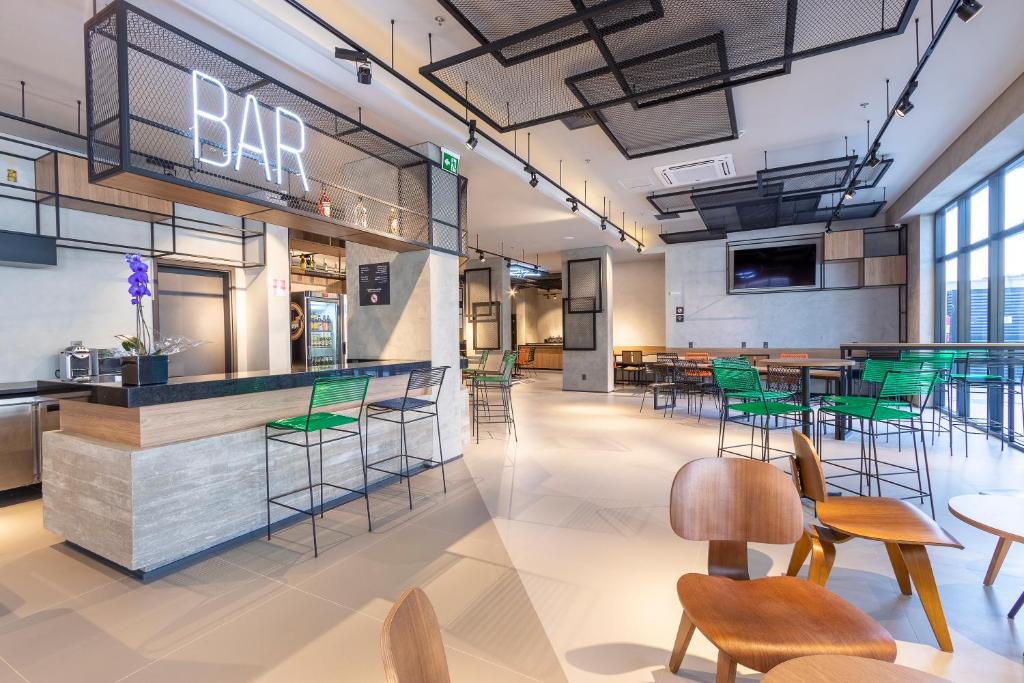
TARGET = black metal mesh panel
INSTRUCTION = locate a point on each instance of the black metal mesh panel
(446, 238)
(487, 26)
(518, 79)
(579, 329)
(444, 195)
(102, 99)
(486, 325)
(846, 213)
(813, 176)
(681, 201)
(584, 285)
(477, 288)
(370, 181)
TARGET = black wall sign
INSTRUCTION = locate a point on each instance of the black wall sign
(375, 284)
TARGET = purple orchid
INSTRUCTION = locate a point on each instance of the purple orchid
(138, 281)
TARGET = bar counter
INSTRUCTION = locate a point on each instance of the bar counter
(149, 476)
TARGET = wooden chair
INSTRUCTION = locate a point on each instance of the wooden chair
(762, 622)
(903, 528)
(410, 641)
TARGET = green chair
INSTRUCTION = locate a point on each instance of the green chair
(745, 384)
(327, 392)
(893, 408)
(941, 362)
(484, 410)
(481, 366)
(964, 380)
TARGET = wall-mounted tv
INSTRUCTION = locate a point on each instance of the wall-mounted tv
(791, 266)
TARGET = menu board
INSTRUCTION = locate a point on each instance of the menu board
(375, 284)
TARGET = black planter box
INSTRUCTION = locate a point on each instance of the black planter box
(140, 370)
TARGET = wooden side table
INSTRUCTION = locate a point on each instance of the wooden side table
(1001, 516)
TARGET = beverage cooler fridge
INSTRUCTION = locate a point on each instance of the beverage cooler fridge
(317, 331)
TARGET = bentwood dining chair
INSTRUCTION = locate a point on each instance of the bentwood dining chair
(632, 362)
(758, 623)
(905, 531)
(411, 643)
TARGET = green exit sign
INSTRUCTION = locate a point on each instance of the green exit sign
(450, 161)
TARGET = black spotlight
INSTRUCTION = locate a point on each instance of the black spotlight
(873, 160)
(472, 141)
(967, 9)
(904, 107)
(604, 223)
(622, 235)
(534, 181)
(482, 256)
(362, 59)
(573, 204)
(639, 249)
(363, 73)
(849, 194)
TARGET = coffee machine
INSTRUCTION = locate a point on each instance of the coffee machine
(77, 361)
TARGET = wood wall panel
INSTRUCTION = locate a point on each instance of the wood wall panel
(885, 270)
(844, 245)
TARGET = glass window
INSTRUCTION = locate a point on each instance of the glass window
(949, 301)
(1013, 283)
(1013, 193)
(951, 221)
(977, 212)
(979, 295)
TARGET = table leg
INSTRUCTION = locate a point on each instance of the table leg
(844, 389)
(1002, 546)
(805, 380)
(920, 569)
(1016, 607)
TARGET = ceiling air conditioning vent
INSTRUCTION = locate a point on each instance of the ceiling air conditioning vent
(697, 171)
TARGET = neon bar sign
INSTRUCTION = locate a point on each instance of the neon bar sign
(253, 143)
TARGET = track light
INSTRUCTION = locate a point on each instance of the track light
(849, 193)
(482, 256)
(362, 59)
(967, 9)
(904, 107)
(472, 141)
(363, 73)
(533, 180)
(622, 235)
(873, 160)
(573, 204)
(604, 223)
(639, 249)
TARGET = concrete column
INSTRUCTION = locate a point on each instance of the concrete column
(921, 279)
(591, 370)
(501, 291)
(421, 322)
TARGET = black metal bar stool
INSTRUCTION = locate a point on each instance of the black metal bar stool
(327, 391)
(399, 410)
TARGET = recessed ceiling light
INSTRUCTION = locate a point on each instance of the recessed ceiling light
(568, 237)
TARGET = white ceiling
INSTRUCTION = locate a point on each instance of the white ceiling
(797, 117)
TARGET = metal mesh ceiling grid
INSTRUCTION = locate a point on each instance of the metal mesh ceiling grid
(812, 176)
(761, 37)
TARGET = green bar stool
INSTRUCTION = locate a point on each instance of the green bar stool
(327, 391)
(756, 404)
(484, 410)
(406, 410)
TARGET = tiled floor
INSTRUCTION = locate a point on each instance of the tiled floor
(549, 559)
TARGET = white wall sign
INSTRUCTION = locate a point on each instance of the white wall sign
(251, 142)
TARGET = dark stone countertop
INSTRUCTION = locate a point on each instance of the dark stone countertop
(108, 390)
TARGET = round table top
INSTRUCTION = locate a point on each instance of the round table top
(809, 362)
(999, 515)
(845, 669)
